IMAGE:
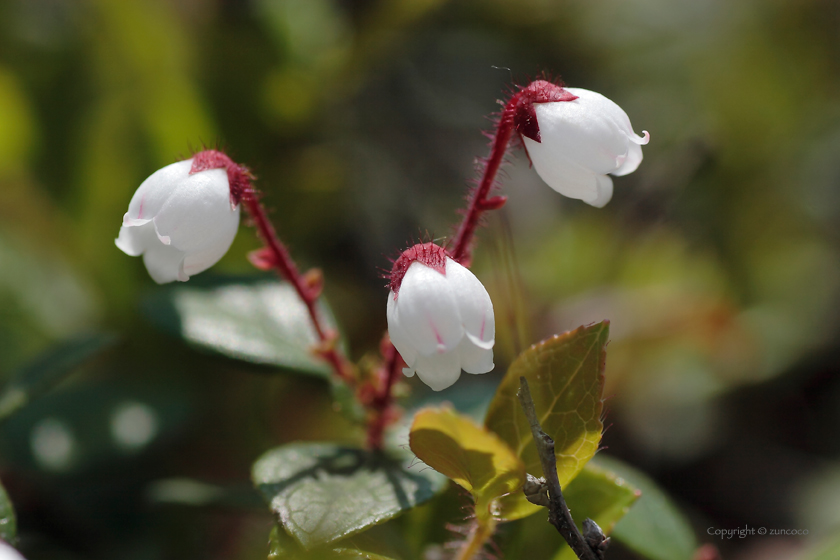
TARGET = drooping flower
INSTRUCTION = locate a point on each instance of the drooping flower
(181, 219)
(440, 317)
(575, 137)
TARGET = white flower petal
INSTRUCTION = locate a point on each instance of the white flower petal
(427, 311)
(581, 134)
(182, 224)
(134, 240)
(153, 193)
(165, 264)
(561, 174)
(197, 210)
(604, 107)
(631, 161)
(475, 359)
(439, 371)
(200, 260)
(581, 142)
(399, 339)
(474, 304)
(7, 552)
(604, 192)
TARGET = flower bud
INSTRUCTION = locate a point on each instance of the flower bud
(440, 317)
(182, 221)
(575, 137)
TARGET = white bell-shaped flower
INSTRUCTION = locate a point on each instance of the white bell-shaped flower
(580, 141)
(440, 317)
(181, 222)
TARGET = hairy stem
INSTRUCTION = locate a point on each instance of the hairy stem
(282, 261)
(382, 404)
(479, 202)
(478, 537)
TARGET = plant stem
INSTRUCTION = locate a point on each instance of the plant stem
(558, 511)
(382, 403)
(282, 261)
(478, 202)
(480, 534)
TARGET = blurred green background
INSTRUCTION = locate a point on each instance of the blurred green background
(718, 261)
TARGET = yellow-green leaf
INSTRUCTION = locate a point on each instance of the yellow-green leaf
(472, 456)
(566, 377)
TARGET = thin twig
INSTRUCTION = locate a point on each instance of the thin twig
(593, 546)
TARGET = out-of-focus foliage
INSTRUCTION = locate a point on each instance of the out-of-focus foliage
(717, 261)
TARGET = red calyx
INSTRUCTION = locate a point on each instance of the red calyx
(433, 256)
(239, 177)
(539, 91)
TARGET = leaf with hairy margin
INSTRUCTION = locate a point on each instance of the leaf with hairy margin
(468, 453)
(566, 377)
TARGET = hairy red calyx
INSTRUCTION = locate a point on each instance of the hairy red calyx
(538, 91)
(239, 176)
(433, 256)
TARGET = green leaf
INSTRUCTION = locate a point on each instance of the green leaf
(8, 520)
(654, 527)
(471, 455)
(36, 378)
(566, 377)
(355, 553)
(600, 495)
(283, 547)
(258, 320)
(322, 492)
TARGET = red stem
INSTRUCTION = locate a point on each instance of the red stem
(285, 266)
(382, 403)
(479, 203)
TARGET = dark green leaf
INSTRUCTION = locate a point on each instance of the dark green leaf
(36, 378)
(322, 492)
(566, 377)
(283, 547)
(8, 520)
(654, 527)
(257, 320)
